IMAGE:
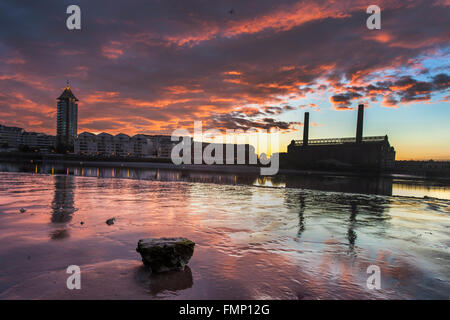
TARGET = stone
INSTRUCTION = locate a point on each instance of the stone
(166, 254)
(110, 221)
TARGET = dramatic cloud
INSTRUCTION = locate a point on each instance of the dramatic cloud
(403, 90)
(342, 101)
(153, 66)
(229, 121)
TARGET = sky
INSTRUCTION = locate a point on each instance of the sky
(156, 66)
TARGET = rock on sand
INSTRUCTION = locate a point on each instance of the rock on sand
(165, 254)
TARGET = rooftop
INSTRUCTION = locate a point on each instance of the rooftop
(333, 141)
(67, 94)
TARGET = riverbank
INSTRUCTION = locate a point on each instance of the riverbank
(254, 170)
(323, 181)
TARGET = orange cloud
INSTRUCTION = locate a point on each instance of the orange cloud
(182, 90)
(233, 73)
(381, 37)
(113, 50)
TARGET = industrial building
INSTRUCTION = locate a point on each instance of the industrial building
(360, 153)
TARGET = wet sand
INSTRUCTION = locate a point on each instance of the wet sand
(252, 242)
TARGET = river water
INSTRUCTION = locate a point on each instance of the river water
(273, 238)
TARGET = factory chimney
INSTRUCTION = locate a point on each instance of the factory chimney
(306, 129)
(359, 125)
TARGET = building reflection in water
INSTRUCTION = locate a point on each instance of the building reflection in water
(362, 184)
(62, 205)
(342, 207)
(367, 185)
(351, 234)
(166, 175)
(301, 215)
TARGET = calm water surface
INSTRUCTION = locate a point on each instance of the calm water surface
(253, 242)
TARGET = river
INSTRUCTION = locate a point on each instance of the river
(305, 237)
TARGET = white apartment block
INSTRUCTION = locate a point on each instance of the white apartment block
(11, 138)
(122, 145)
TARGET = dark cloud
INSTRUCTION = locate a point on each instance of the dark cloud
(402, 90)
(227, 121)
(441, 81)
(344, 100)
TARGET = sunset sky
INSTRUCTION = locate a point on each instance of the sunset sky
(155, 66)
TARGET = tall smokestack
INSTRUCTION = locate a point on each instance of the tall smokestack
(359, 125)
(306, 129)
